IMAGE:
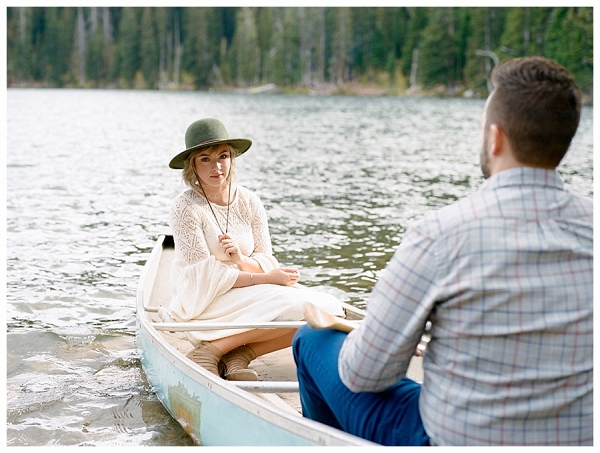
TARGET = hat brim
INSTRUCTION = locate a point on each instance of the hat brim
(241, 145)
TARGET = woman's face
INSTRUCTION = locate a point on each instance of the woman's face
(213, 167)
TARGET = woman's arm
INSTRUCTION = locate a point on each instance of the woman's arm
(261, 267)
(260, 229)
(283, 276)
(261, 259)
(231, 249)
(197, 277)
(187, 230)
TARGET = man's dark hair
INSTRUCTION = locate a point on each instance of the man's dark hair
(537, 104)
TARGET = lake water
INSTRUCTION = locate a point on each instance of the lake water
(89, 190)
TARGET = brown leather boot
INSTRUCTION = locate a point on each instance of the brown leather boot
(207, 356)
(236, 364)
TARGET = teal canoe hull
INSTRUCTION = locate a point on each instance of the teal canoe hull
(214, 411)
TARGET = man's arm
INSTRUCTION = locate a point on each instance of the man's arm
(377, 354)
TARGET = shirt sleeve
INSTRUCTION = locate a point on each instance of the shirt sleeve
(377, 354)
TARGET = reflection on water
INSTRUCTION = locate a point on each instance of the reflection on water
(89, 190)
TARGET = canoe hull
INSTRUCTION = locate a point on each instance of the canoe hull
(193, 401)
(214, 411)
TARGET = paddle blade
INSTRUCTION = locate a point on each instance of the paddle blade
(318, 319)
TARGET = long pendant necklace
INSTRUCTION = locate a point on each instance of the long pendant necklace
(211, 208)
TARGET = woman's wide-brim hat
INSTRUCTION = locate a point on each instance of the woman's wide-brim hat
(207, 132)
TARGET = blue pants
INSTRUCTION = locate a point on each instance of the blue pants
(390, 417)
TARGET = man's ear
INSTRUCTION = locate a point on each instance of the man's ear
(496, 140)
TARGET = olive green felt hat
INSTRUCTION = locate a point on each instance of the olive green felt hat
(207, 132)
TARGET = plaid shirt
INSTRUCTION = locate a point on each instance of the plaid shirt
(505, 277)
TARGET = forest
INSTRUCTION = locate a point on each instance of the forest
(445, 51)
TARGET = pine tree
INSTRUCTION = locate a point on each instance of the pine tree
(568, 40)
(202, 33)
(410, 48)
(158, 47)
(264, 40)
(341, 44)
(149, 54)
(129, 48)
(437, 45)
(486, 25)
(58, 39)
(95, 69)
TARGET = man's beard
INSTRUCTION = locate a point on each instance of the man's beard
(484, 160)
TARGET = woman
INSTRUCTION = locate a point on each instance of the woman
(224, 269)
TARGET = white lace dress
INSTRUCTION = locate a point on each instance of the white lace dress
(202, 276)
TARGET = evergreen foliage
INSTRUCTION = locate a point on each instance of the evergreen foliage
(417, 48)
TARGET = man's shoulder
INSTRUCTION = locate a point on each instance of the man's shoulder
(584, 203)
(449, 217)
(494, 202)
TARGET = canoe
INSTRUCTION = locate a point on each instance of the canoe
(214, 411)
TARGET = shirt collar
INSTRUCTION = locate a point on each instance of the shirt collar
(524, 176)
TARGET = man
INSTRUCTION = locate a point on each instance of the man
(504, 276)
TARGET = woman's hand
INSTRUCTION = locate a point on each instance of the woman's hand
(284, 276)
(231, 248)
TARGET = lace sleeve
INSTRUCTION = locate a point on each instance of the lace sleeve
(260, 228)
(186, 224)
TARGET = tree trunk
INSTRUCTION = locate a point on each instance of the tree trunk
(81, 45)
(106, 27)
(23, 45)
(178, 50)
(414, 66)
(526, 32)
(321, 57)
(305, 31)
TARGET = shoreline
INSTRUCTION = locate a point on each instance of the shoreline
(325, 89)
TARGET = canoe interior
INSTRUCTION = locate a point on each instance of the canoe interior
(273, 369)
(277, 366)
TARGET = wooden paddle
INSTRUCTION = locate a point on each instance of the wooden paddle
(319, 319)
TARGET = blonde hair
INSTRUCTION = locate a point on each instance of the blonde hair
(189, 176)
